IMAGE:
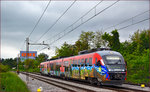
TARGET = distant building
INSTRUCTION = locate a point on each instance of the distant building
(31, 55)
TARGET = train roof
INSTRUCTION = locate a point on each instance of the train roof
(101, 53)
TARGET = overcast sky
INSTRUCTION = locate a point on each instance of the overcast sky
(19, 17)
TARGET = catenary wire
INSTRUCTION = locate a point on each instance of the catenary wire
(82, 23)
(126, 20)
(56, 21)
(77, 20)
(39, 18)
(133, 24)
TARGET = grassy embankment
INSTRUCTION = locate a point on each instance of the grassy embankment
(10, 82)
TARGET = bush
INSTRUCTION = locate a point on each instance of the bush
(138, 68)
(4, 68)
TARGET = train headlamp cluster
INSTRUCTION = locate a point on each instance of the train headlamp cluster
(116, 70)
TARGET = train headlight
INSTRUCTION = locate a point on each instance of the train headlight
(122, 70)
(116, 70)
(111, 70)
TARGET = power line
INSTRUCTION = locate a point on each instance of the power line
(84, 22)
(76, 20)
(22, 45)
(117, 29)
(40, 18)
(133, 24)
(127, 20)
(37, 22)
(56, 21)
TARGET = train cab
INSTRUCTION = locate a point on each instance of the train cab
(111, 66)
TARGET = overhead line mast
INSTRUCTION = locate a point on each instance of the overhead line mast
(37, 22)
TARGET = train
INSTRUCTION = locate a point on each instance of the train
(102, 66)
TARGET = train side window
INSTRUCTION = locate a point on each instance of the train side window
(98, 63)
(95, 60)
(75, 61)
(82, 62)
(90, 61)
(52, 66)
(79, 62)
(86, 60)
(70, 61)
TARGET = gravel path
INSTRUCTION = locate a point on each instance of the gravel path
(34, 84)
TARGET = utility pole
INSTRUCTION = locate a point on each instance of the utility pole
(27, 55)
(27, 58)
(17, 64)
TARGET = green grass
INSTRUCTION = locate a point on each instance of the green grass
(10, 82)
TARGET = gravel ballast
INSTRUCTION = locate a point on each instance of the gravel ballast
(34, 84)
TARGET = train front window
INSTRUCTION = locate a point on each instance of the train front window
(113, 59)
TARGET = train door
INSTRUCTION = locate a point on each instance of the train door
(70, 68)
(82, 69)
(86, 67)
(52, 68)
(79, 66)
(95, 75)
(98, 70)
(66, 68)
(90, 67)
(46, 68)
(42, 68)
(75, 69)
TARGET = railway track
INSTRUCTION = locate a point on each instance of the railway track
(79, 86)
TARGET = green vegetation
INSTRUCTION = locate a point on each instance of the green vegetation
(4, 68)
(135, 51)
(32, 65)
(10, 82)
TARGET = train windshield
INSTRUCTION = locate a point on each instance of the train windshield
(109, 59)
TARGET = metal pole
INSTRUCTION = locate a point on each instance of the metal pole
(17, 64)
(27, 58)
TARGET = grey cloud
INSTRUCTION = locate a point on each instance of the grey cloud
(19, 18)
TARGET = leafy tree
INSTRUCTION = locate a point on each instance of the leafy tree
(42, 57)
(10, 62)
(140, 40)
(78, 45)
(65, 50)
(86, 40)
(29, 63)
(98, 41)
(113, 40)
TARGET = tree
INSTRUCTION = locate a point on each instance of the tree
(140, 40)
(10, 62)
(29, 63)
(98, 41)
(78, 45)
(65, 50)
(113, 40)
(86, 40)
(42, 57)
